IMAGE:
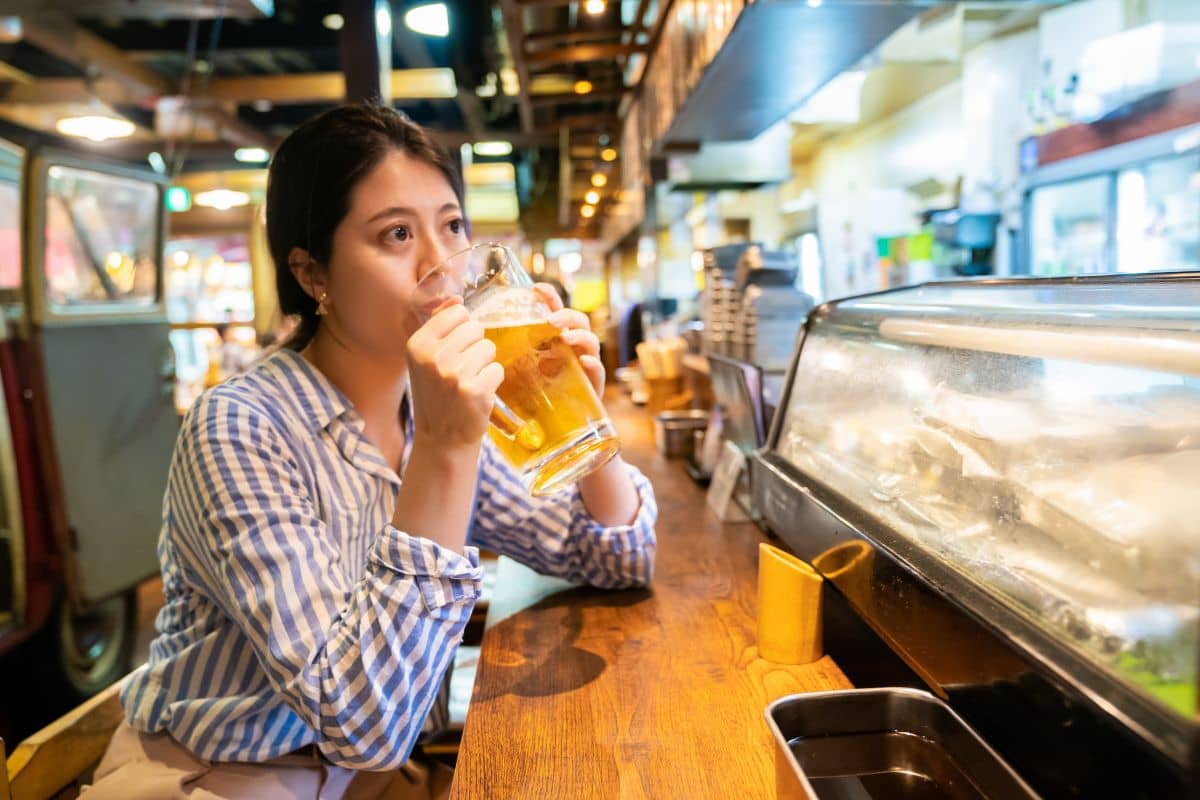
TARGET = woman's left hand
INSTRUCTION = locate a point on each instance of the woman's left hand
(576, 332)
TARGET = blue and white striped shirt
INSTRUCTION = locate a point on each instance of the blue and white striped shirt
(295, 613)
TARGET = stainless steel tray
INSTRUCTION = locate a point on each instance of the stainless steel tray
(899, 744)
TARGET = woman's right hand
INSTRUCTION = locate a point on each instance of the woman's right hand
(454, 377)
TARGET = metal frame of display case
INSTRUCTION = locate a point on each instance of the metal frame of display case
(1070, 727)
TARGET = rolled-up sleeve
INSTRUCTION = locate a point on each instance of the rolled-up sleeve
(556, 535)
(358, 660)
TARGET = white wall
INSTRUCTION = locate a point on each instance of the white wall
(861, 181)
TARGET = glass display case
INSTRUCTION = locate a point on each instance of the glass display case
(1031, 448)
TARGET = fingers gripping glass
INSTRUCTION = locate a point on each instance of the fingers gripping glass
(547, 420)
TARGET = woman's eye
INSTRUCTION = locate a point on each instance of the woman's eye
(400, 234)
(456, 226)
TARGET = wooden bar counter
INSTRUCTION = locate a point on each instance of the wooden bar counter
(655, 693)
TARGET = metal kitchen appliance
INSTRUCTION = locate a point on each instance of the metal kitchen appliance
(999, 480)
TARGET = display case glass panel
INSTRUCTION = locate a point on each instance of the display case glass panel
(1038, 439)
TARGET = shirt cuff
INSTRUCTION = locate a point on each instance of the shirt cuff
(442, 575)
(624, 537)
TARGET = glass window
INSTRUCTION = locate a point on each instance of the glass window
(1069, 228)
(1158, 215)
(101, 237)
(10, 219)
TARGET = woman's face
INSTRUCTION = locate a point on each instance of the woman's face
(403, 219)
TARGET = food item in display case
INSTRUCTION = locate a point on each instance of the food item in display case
(1149, 520)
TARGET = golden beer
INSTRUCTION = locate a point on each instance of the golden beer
(564, 432)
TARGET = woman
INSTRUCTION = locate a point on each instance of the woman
(314, 599)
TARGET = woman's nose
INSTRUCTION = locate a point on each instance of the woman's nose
(434, 253)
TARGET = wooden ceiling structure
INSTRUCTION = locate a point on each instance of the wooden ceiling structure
(201, 79)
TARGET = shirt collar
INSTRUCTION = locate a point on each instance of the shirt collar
(319, 400)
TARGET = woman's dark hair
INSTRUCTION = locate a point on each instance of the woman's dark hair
(310, 181)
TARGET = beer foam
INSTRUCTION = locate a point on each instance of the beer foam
(509, 307)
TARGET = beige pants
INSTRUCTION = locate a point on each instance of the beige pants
(153, 766)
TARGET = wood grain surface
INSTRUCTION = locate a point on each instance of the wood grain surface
(656, 693)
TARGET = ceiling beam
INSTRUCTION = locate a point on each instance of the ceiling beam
(312, 87)
(581, 52)
(89, 52)
(544, 39)
(364, 51)
(587, 122)
(514, 33)
(594, 96)
(217, 151)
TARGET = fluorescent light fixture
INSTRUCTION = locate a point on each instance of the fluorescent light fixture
(430, 20)
(570, 262)
(383, 19)
(588, 212)
(252, 155)
(594, 7)
(493, 149)
(222, 199)
(95, 127)
(583, 87)
(815, 3)
(836, 102)
(333, 21)
(608, 154)
(592, 198)
(599, 180)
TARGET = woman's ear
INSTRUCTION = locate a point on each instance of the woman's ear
(307, 272)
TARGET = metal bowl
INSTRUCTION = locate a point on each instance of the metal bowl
(673, 431)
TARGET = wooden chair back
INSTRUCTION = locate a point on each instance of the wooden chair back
(64, 752)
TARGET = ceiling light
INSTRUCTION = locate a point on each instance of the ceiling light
(608, 154)
(263, 106)
(815, 3)
(96, 127)
(431, 20)
(181, 258)
(583, 87)
(333, 21)
(592, 197)
(157, 163)
(222, 199)
(252, 155)
(594, 7)
(383, 20)
(588, 212)
(493, 149)
(599, 180)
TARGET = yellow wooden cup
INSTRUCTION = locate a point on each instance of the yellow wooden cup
(789, 608)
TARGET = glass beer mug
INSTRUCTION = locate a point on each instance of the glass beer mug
(547, 420)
